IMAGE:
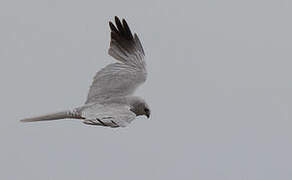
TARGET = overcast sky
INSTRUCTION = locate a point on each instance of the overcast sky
(219, 88)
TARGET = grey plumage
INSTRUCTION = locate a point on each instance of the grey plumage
(54, 116)
(110, 101)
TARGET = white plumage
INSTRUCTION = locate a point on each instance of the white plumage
(110, 101)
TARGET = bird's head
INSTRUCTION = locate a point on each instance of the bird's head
(139, 106)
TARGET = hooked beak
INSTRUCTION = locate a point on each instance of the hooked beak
(148, 115)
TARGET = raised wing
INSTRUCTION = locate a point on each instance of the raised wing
(122, 78)
(113, 115)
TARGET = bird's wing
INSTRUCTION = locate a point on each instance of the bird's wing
(113, 115)
(122, 78)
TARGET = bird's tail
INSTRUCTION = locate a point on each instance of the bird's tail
(55, 116)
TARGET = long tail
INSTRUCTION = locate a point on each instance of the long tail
(55, 116)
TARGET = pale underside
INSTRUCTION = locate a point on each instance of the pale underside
(113, 115)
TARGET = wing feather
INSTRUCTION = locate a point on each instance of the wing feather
(122, 41)
(122, 78)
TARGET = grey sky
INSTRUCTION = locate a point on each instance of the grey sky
(219, 88)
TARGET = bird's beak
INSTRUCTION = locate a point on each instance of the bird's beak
(148, 115)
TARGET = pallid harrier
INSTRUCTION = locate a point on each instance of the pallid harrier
(110, 101)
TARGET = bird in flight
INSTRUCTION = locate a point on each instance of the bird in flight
(110, 101)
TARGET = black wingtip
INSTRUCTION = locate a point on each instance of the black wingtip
(127, 29)
(117, 19)
(121, 27)
(113, 27)
(122, 35)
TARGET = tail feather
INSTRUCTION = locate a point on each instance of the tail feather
(54, 116)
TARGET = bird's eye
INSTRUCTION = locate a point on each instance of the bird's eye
(146, 110)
